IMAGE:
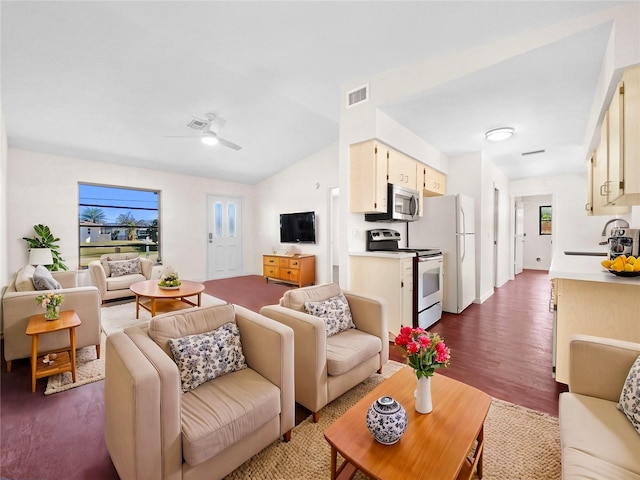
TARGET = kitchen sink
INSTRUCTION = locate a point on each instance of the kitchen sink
(586, 254)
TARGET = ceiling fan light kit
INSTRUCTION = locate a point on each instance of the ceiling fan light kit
(208, 138)
(499, 134)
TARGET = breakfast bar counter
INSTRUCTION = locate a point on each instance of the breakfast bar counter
(587, 299)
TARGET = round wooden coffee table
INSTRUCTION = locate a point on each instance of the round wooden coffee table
(171, 299)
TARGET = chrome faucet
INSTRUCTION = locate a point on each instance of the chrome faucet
(609, 222)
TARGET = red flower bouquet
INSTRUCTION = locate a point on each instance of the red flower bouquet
(424, 351)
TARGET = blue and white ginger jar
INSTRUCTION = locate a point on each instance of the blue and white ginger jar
(386, 420)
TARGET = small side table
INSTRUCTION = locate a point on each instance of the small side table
(66, 359)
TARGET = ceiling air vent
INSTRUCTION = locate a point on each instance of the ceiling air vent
(359, 95)
(198, 124)
(532, 152)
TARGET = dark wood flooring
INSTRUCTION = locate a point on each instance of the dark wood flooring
(502, 347)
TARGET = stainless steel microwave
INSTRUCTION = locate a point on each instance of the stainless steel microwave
(402, 206)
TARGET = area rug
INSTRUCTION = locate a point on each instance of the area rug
(519, 443)
(118, 317)
(89, 368)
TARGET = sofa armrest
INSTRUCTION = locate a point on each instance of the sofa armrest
(268, 348)
(17, 307)
(98, 276)
(370, 315)
(142, 407)
(67, 279)
(146, 266)
(310, 351)
(598, 367)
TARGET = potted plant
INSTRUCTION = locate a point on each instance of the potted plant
(44, 239)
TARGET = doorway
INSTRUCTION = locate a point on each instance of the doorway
(533, 238)
(224, 237)
(334, 235)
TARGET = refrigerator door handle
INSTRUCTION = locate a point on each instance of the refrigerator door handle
(461, 240)
(464, 221)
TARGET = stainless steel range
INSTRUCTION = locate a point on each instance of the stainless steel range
(427, 274)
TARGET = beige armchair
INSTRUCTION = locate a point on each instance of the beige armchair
(113, 287)
(153, 430)
(325, 368)
(17, 307)
(597, 439)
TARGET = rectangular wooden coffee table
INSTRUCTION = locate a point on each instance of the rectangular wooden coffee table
(435, 445)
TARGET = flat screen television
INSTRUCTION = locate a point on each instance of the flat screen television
(298, 227)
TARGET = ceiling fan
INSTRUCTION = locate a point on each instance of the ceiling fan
(209, 128)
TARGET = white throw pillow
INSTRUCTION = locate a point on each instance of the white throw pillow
(119, 268)
(630, 396)
(24, 279)
(205, 356)
(334, 311)
(43, 280)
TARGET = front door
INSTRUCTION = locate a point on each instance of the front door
(224, 242)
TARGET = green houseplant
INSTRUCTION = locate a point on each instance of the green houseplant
(44, 239)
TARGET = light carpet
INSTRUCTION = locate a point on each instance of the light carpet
(114, 318)
(519, 443)
(118, 317)
(89, 368)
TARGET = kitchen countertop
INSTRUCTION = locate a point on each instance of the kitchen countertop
(587, 268)
(397, 255)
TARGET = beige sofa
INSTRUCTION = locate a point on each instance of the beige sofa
(111, 287)
(154, 431)
(17, 307)
(326, 367)
(598, 440)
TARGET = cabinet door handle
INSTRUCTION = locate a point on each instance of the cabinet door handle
(605, 187)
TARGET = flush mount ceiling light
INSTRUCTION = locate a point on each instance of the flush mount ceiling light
(499, 134)
(209, 138)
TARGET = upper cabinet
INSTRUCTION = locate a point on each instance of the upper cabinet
(373, 165)
(615, 165)
(433, 181)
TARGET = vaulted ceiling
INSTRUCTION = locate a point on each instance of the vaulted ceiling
(109, 81)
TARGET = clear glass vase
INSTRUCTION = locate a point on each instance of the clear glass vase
(52, 312)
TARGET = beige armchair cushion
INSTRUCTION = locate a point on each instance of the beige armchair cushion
(350, 348)
(208, 429)
(24, 279)
(296, 298)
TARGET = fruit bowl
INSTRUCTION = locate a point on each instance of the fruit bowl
(625, 274)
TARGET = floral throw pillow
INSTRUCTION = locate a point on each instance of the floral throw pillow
(124, 267)
(630, 397)
(334, 311)
(205, 356)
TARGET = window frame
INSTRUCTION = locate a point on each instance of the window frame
(540, 219)
(142, 247)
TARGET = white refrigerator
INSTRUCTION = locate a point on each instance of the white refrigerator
(448, 224)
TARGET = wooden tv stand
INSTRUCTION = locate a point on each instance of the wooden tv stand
(297, 269)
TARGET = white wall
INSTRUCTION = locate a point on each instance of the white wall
(537, 249)
(3, 204)
(44, 189)
(301, 187)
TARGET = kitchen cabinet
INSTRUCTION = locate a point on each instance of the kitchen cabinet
(388, 276)
(368, 177)
(298, 269)
(614, 168)
(401, 169)
(433, 181)
(592, 308)
(372, 165)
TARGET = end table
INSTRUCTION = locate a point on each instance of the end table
(66, 357)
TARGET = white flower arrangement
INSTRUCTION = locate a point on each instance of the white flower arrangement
(169, 278)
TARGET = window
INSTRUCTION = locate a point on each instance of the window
(117, 220)
(545, 220)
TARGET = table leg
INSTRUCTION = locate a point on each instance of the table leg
(153, 307)
(72, 339)
(34, 361)
(480, 445)
(199, 298)
(334, 462)
(137, 306)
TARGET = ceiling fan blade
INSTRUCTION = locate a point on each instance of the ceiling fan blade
(229, 144)
(181, 136)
